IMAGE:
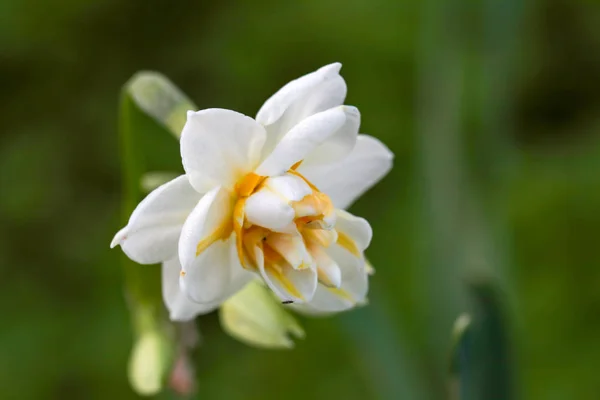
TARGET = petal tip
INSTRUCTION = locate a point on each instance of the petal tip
(351, 110)
(119, 238)
(334, 67)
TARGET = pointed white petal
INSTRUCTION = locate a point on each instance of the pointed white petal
(218, 147)
(180, 306)
(330, 131)
(348, 179)
(302, 97)
(269, 210)
(154, 226)
(288, 284)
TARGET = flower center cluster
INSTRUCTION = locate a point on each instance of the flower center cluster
(297, 245)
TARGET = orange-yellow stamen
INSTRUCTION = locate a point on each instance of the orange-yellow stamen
(314, 218)
(238, 228)
(248, 184)
(295, 166)
(244, 188)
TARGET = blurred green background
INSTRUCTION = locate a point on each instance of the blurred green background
(491, 107)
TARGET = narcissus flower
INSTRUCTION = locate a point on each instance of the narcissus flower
(265, 198)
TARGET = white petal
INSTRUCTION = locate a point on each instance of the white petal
(327, 131)
(292, 248)
(216, 274)
(309, 94)
(300, 99)
(290, 285)
(180, 307)
(218, 147)
(269, 210)
(352, 291)
(203, 252)
(345, 181)
(329, 272)
(355, 228)
(291, 187)
(340, 144)
(154, 226)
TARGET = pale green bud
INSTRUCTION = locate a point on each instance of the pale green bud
(158, 97)
(149, 363)
(255, 317)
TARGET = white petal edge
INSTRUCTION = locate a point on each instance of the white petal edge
(311, 93)
(208, 273)
(215, 275)
(269, 210)
(340, 144)
(292, 248)
(179, 305)
(218, 147)
(346, 180)
(290, 187)
(352, 291)
(356, 228)
(328, 271)
(304, 281)
(309, 135)
(153, 229)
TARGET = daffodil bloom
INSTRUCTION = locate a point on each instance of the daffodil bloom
(265, 198)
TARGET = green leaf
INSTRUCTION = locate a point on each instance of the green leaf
(459, 337)
(482, 355)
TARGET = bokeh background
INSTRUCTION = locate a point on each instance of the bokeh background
(492, 109)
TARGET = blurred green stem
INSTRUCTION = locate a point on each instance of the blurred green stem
(463, 182)
(441, 175)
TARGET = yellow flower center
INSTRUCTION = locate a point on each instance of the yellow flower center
(311, 214)
(301, 248)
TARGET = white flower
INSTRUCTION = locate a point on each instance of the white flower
(265, 198)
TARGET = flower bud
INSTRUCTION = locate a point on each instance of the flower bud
(255, 317)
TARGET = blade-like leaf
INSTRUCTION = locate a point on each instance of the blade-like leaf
(481, 357)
